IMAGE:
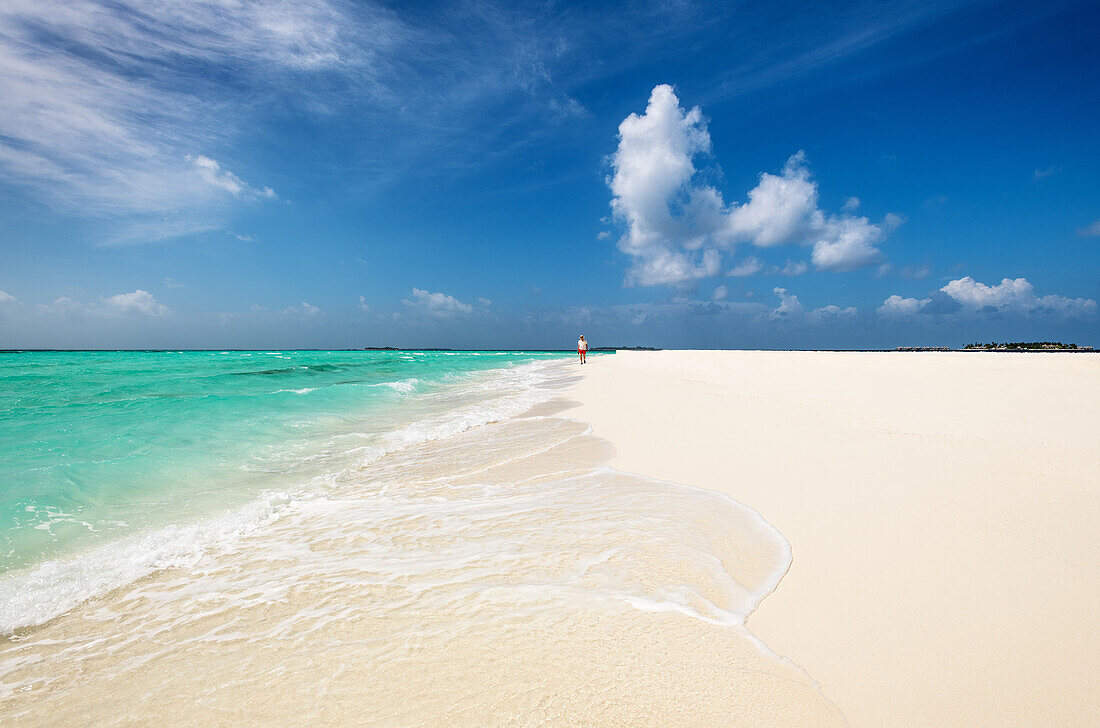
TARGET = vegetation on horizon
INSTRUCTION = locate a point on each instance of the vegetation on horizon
(1021, 345)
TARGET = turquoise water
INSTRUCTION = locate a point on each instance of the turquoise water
(96, 446)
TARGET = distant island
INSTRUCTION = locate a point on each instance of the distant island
(1005, 346)
(1026, 345)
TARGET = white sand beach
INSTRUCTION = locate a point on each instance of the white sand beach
(940, 507)
(513, 557)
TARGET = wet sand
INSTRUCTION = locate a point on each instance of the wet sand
(499, 574)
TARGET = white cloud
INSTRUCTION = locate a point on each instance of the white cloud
(653, 169)
(897, 307)
(104, 101)
(966, 296)
(1013, 296)
(794, 268)
(790, 309)
(781, 208)
(484, 302)
(677, 226)
(363, 305)
(62, 304)
(6, 298)
(746, 267)
(303, 309)
(721, 293)
(832, 312)
(851, 204)
(170, 282)
(1090, 230)
(437, 304)
(846, 243)
(139, 301)
(789, 305)
(1043, 173)
(212, 174)
(891, 221)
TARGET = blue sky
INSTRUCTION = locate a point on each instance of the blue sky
(472, 174)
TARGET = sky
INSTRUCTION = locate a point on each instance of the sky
(330, 174)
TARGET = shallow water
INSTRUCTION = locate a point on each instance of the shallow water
(475, 569)
(121, 457)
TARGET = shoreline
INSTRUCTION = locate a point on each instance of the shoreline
(581, 594)
(697, 538)
(938, 509)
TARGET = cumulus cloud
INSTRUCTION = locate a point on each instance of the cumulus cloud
(789, 305)
(790, 309)
(363, 305)
(968, 296)
(721, 293)
(846, 243)
(677, 227)
(781, 208)
(214, 175)
(139, 301)
(832, 312)
(653, 170)
(897, 307)
(1014, 296)
(6, 298)
(436, 304)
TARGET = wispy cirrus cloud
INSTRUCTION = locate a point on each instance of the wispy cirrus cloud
(110, 108)
(212, 174)
(105, 100)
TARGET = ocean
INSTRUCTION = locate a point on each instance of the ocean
(378, 538)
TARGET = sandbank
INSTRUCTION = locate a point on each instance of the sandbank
(940, 507)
